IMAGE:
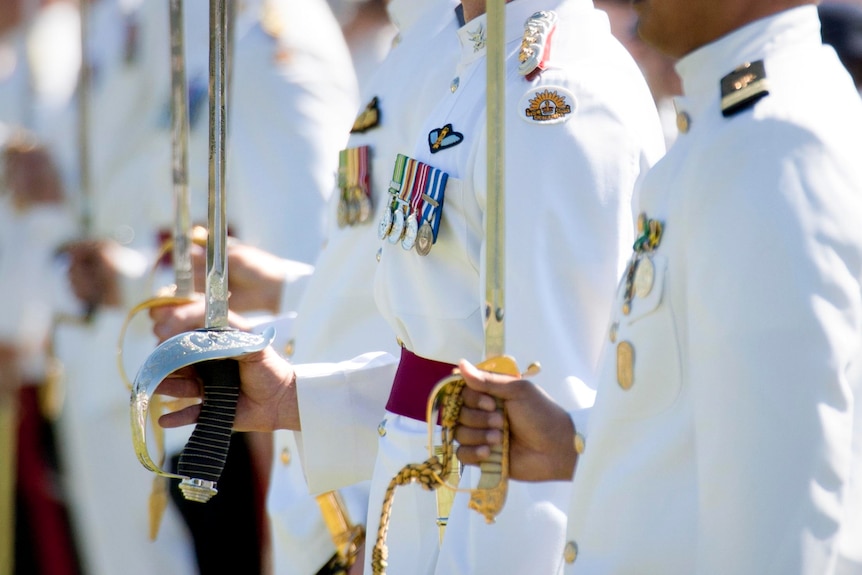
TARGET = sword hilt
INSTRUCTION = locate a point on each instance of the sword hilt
(204, 456)
(490, 494)
(214, 354)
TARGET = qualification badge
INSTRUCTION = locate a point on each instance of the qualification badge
(368, 118)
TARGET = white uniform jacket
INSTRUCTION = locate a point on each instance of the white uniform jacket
(720, 441)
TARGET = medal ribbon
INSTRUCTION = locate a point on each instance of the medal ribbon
(362, 168)
(407, 184)
(434, 202)
(420, 183)
(397, 178)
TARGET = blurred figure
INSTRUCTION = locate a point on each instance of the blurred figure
(32, 220)
(34, 531)
(658, 68)
(841, 28)
(368, 31)
(287, 122)
(120, 208)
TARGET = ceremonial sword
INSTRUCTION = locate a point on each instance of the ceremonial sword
(212, 350)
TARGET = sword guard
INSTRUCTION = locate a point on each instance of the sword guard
(182, 350)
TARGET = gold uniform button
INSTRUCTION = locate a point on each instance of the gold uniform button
(570, 553)
(454, 85)
(285, 456)
(379, 253)
(289, 348)
(381, 428)
(683, 122)
(580, 443)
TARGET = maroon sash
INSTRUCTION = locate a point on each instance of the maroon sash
(414, 381)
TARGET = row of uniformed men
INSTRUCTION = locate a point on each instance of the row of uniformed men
(724, 435)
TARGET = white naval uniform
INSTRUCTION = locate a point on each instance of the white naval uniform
(731, 450)
(337, 315)
(569, 186)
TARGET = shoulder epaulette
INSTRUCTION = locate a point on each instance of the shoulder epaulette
(743, 87)
(536, 45)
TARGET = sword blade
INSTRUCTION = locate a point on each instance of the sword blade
(183, 273)
(216, 279)
(495, 226)
(85, 211)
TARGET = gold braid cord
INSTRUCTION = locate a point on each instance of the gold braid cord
(486, 500)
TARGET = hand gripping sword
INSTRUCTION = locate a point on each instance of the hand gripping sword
(212, 350)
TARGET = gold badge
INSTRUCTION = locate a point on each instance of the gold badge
(625, 365)
(548, 105)
(368, 118)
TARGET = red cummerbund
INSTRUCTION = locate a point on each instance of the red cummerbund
(414, 381)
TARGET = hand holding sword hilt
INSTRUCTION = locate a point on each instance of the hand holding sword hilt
(213, 352)
(490, 494)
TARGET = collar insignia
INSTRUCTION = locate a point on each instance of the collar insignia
(442, 138)
(743, 87)
(367, 118)
(478, 38)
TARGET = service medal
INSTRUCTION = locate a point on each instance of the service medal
(397, 226)
(385, 225)
(424, 239)
(410, 232)
(342, 213)
(644, 277)
(364, 208)
(352, 210)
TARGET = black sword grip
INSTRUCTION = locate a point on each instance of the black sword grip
(205, 453)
